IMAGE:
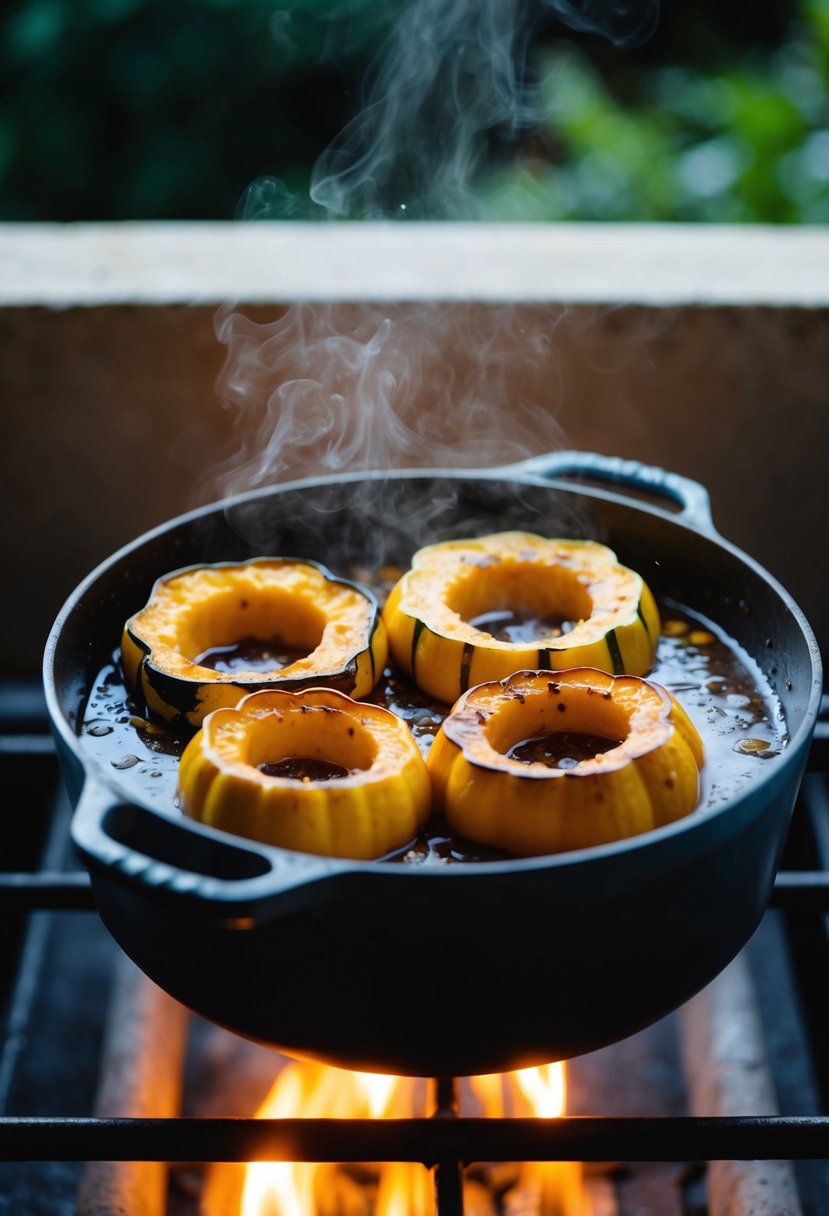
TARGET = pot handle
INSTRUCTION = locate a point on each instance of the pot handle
(691, 497)
(183, 860)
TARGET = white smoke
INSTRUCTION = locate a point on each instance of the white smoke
(326, 389)
(338, 388)
(451, 80)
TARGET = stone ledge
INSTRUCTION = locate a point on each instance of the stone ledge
(77, 265)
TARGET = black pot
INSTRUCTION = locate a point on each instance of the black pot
(439, 970)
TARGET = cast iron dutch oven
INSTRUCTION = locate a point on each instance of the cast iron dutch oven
(439, 970)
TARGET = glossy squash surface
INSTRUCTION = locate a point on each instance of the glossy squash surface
(333, 625)
(643, 773)
(570, 603)
(247, 772)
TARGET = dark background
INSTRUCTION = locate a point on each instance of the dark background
(146, 109)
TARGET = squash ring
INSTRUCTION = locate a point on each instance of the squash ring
(647, 778)
(612, 615)
(378, 805)
(334, 622)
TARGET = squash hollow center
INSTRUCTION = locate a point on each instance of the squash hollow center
(551, 727)
(519, 602)
(309, 739)
(561, 749)
(251, 654)
(256, 623)
(304, 768)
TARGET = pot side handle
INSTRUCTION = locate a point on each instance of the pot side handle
(124, 844)
(691, 497)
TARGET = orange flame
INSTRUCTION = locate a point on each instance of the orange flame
(402, 1189)
(553, 1188)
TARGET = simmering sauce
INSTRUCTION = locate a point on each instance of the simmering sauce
(722, 689)
(251, 654)
(304, 768)
(562, 749)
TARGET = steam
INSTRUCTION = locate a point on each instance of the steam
(451, 76)
(451, 81)
(344, 388)
(625, 23)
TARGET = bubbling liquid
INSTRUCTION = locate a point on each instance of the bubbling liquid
(562, 749)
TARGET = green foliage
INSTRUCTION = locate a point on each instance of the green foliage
(748, 144)
(137, 109)
(134, 109)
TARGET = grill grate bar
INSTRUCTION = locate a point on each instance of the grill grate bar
(26, 746)
(46, 890)
(801, 891)
(432, 1142)
(818, 758)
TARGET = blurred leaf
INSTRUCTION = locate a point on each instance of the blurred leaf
(35, 28)
(150, 109)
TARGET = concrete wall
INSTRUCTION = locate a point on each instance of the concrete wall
(703, 351)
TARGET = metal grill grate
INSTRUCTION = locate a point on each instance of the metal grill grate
(446, 1142)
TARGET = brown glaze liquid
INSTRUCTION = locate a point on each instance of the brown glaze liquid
(733, 708)
(251, 654)
(304, 768)
(512, 625)
(562, 749)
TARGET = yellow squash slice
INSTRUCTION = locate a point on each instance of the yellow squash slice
(543, 762)
(312, 771)
(332, 629)
(469, 611)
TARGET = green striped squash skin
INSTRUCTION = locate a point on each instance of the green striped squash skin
(616, 626)
(606, 654)
(185, 699)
